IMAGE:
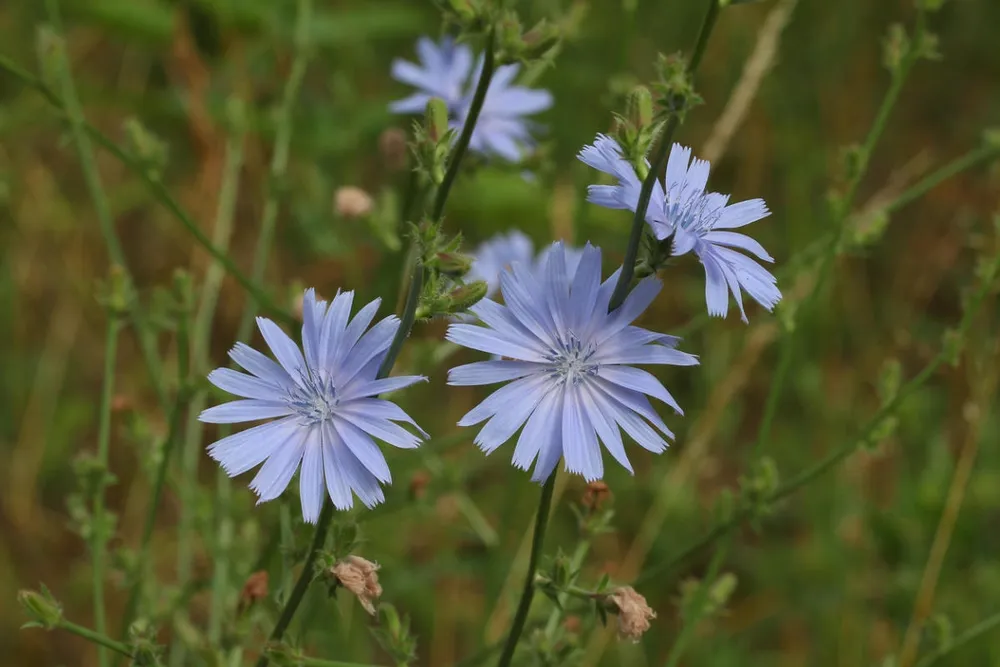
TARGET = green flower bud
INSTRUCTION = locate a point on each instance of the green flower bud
(895, 47)
(436, 119)
(454, 264)
(639, 107)
(466, 296)
(44, 609)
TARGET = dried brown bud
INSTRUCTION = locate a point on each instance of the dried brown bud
(633, 613)
(418, 484)
(352, 202)
(359, 576)
(595, 494)
(255, 588)
(392, 146)
(121, 403)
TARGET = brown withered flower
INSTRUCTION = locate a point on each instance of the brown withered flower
(360, 577)
(633, 613)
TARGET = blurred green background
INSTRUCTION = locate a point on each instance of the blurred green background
(829, 580)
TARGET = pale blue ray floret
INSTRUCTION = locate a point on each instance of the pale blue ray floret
(696, 220)
(565, 360)
(325, 397)
(501, 251)
(446, 71)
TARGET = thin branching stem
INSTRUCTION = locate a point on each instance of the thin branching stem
(159, 192)
(98, 526)
(697, 608)
(659, 162)
(98, 638)
(537, 544)
(80, 130)
(970, 635)
(826, 464)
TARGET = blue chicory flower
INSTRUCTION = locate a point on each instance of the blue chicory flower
(566, 360)
(326, 403)
(444, 71)
(695, 219)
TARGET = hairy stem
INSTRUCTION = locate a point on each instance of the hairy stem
(98, 536)
(537, 542)
(458, 152)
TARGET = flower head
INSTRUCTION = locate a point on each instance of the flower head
(446, 71)
(634, 614)
(360, 577)
(696, 220)
(566, 363)
(325, 398)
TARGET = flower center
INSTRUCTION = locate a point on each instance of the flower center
(572, 360)
(690, 209)
(315, 400)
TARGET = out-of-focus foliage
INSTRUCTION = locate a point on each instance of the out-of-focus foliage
(830, 578)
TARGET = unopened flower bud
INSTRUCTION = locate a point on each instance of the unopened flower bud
(360, 577)
(595, 494)
(454, 264)
(392, 147)
(639, 107)
(464, 297)
(42, 607)
(633, 613)
(436, 119)
(352, 202)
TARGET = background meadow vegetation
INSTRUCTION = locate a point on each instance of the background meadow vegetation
(831, 578)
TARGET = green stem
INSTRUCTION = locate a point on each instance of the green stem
(660, 160)
(406, 321)
(97, 637)
(184, 392)
(839, 226)
(969, 635)
(159, 192)
(842, 452)
(537, 542)
(575, 563)
(697, 606)
(458, 152)
(92, 177)
(319, 662)
(222, 233)
(305, 578)
(98, 538)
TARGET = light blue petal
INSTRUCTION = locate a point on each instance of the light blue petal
(645, 354)
(273, 477)
(351, 476)
(586, 284)
(332, 331)
(637, 429)
(334, 453)
(375, 341)
(383, 429)
(737, 240)
(311, 485)
(637, 379)
(503, 397)
(247, 410)
(378, 408)
(245, 385)
(364, 449)
(486, 340)
(677, 166)
(697, 175)
(521, 294)
(742, 213)
(284, 348)
(260, 365)
(415, 103)
(538, 430)
(555, 286)
(634, 401)
(716, 288)
(505, 423)
(364, 388)
(609, 196)
(490, 372)
(353, 332)
(635, 304)
(606, 428)
(247, 449)
(580, 447)
(313, 311)
(506, 326)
